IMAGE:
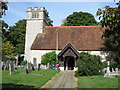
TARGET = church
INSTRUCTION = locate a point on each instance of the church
(66, 41)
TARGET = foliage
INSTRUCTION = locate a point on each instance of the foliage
(97, 82)
(23, 62)
(49, 58)
(88, 64)
(8, 48)
(79, 19)
(3, 7)
(110, 20)
(113, 64)
(4, 27)
(28, 81)
(16, 35)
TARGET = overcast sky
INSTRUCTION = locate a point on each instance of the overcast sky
(57, 10)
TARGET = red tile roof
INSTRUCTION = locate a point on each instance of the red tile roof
(81, 37)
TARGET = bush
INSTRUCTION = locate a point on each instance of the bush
(88, 64)
(23, 62)
(49, 58)
(114, 64)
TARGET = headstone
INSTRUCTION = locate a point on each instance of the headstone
(6, 65)
(11, 68)
(32, 67)
(116, 70)
(2, 66)
(113, 70)
(104, 70)
(29, 67)
(38, 67)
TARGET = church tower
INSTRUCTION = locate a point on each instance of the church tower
(36, 20)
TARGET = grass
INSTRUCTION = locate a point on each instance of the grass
(20, 80)
(97, 82)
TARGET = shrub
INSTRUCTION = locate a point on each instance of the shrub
(88, 64)
(23, 62)
(49, 58)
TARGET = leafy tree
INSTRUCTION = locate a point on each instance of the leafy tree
(8, 48)
(110, 20)
(17, 36)
(88, 64)
(3, 7)
(49, 58)
(79, 19)
(4, 28)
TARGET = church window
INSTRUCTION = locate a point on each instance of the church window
(35, 15)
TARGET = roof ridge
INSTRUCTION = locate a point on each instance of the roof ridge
(70, 26)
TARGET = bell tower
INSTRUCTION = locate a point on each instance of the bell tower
(36, 20)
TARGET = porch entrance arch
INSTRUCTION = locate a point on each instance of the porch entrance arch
(68, 56)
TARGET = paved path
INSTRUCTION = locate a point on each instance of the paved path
(64, 79)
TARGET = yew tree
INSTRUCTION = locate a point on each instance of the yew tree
(79, 19)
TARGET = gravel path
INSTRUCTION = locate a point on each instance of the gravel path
(66, 80)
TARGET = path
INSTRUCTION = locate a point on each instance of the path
(65, 79)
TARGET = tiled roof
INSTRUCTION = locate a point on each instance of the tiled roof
(81, 37)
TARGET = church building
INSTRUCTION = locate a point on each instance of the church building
(67, 41)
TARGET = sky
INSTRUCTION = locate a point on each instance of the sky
(57, 10)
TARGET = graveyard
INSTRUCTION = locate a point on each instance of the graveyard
(35, 79)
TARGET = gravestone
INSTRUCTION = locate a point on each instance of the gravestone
(113, 70)
(2, 65)
(38, 67)
(32, 67)
(104, 70)
(6, 65)
(116, 70)
(11, 67)
(29, 67)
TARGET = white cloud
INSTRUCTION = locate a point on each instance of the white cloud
(62, 0)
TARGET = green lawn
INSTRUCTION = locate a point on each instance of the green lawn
(20, 80)
(97, 82)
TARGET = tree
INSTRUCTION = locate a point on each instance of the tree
(79, 19)
(3, 7)
(110, 20)
(4, 28)
(8, 48)
(49, 58)
(17, 36)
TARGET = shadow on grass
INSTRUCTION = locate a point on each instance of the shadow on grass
(17, 86)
